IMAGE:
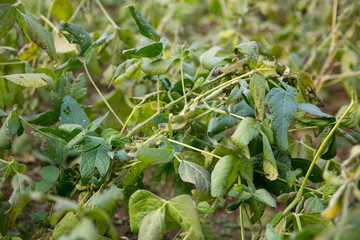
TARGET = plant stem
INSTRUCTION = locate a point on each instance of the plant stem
(322, 147)
(102, 96)
(12, 63)
(194, 148)
(106, 14)
(130, 165)
(306, 146)
(117, 178)
(298, 185)
(201, 141)
(303, 128)
(234, 80)
(250, 224)
(182, 82)
(42, 133)
(241, 222)
(341, 75)
(158, 93)
(298, 222)
(48, 22)
(139, 126)
(3, 161)
(319, 151)
(130, 116)
(77, 10)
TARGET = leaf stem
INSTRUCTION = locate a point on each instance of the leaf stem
(48, 22)
(234, 80)
(158, 93)
(303, 128)
(241, 221)
(12, 63)
(102, 96)
(106, 14)
(194, 148)
(298, 185)
(42, 133)
(77, 10)
(298, 222)
(182, 82)
(130, 116)
(139, 126)
(317, 155)
(322, 147)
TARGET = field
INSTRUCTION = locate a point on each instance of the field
(179, 119)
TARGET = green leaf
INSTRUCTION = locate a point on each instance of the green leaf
(316, 173)
(62, 9)
(50, 173)
(74, 33)
(84, 230)
(264, 197)
(68, 85)
(150, 50)
(250, 50)
(313, 205)
(11, 125)
(101, 40)
(283, 107)
(208, 59)
(16, 209)
(159, 66)
(108, 200)
(55, 150)
(35, 32)
(34, 7)
(131, 68)
(116, 138)
(154, 155)
(72, 63)
(270, 233)
(224, 175)
(205, 208)
(5, 140)
(242, 109)
(220, 124)
(195, 174)
(144, 26)
(72, 113)
(332, 148)
(291, 176)
(34, 80)
(142, 203)
(311, 219)
(304, 151)
(97, 157)
(47, 118)
(152, 226)
(7, 19)
(312, 109)
(182, 210)
(18, 185)
(43, 186)
(269, 164)
(257, 88)
(247, 130)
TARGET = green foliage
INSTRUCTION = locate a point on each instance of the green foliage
(231, 129)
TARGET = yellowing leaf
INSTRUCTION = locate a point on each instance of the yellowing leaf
(35, 32)
(62, 9)
(34, 80)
